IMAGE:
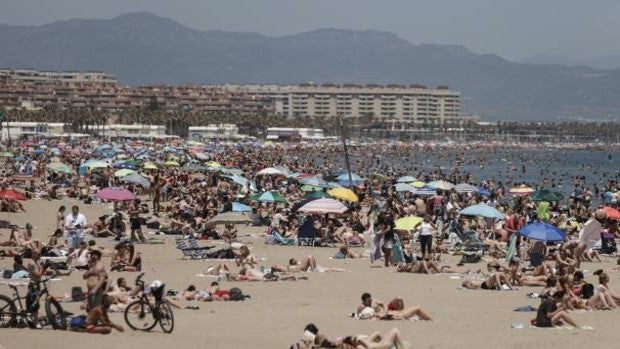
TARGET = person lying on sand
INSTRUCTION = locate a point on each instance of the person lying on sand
(371, 309)
(495, 281)
(307, 264)
(391, 339)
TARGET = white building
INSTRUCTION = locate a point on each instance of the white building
(222, 131)
(18, 130)
(294, 134)
(132, 131)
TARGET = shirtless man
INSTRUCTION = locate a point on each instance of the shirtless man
(97, 320)
(96, 278)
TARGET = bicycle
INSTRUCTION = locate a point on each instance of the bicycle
(142, 315)
(14, 312)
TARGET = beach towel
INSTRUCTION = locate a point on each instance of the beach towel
(282, 240)
(397, 252)
(512, 248)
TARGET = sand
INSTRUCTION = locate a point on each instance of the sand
(277, 312)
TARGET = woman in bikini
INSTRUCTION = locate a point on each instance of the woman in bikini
(493, 282)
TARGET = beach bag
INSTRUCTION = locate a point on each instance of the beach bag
(78, 322)
(77, 294)
(235, 294)
(587, 291)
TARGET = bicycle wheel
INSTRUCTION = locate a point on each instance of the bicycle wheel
(138, 316)
(166, 318)
(8, 312)
(55, 314)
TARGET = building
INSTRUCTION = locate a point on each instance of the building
(294, 134)
(222, 131)
(132, 131)
(17, 130)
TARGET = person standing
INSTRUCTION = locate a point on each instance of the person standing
(426, 236)
(74, 227)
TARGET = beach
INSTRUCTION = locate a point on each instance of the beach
(277, 312)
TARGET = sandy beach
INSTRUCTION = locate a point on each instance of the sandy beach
(277, 312)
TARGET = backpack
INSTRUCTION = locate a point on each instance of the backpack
(235, 294)
(77, 294)
(471, 258)
(587, 291)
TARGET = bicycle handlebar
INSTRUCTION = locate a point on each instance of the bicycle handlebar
(139, 279)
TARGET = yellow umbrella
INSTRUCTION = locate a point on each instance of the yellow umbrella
(123, 172)
(344, 194)
(171, 163)
(213, 164)
(418, 184)
(150, 166)
(407, 223)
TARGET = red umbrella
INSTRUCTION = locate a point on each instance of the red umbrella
(612, 213)
(12, 194)
(115, 194)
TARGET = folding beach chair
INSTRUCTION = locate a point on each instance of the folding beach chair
(195, 252)
(306, 235)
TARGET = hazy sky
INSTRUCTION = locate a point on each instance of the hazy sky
(511, 28)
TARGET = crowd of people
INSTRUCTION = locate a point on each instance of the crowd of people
(182, 188)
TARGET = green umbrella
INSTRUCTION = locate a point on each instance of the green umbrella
(547, 195)
(269, 196)
(7, 154)
(132, 162)
(307, 187)
(60, 167)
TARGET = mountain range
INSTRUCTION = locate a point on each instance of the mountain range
(141, 48)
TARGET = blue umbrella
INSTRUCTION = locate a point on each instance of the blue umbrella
(400, 187)
(136, 179)
(483, 192)
(542, 231)
(482, 210)
(345, 177)
(424, 192)
(239, 207)
(238, 179)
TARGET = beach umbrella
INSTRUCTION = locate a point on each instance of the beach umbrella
(407, 223)
(115, 194)
(378, 176)
(323, 206)
(542, 231)
(522, 190)
(547, 195)
(231, 218)
(483, 192)
(406, 179)
(333, 185)
(60, 167)
(418, 184)
(440, 185)
(270, 171)
(21, 158)
(132, 162)
(91, 164)
(345, 177)
(136, 179)
(149, 166)
(424, 192)
(307, 187)
(400, 187)
(171, 163)
(12, 194)
(213, 164)
(198, 175)
(124, 172)
(232, 171)
(7, 154)
(344, 194)
(269, 196)
(239, 207)
(611, 212)
(317, 194)
(482, 210)
(314, 181)
(465, 188)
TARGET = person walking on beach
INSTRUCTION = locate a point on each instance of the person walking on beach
(426, 236)
(74, 227)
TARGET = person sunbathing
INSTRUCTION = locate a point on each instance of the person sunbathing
(425, 266)
(495, 281)
(345, 252)
(391, 339)
(188, 294)
(307, 264)
(213, 293)
(612, 298)
(245, 259)
(218, 270)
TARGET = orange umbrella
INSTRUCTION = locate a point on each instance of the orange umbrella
(12, 194)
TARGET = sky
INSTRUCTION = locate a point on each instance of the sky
(513, 29)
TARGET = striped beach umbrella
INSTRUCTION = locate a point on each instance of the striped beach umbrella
(323, 206)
